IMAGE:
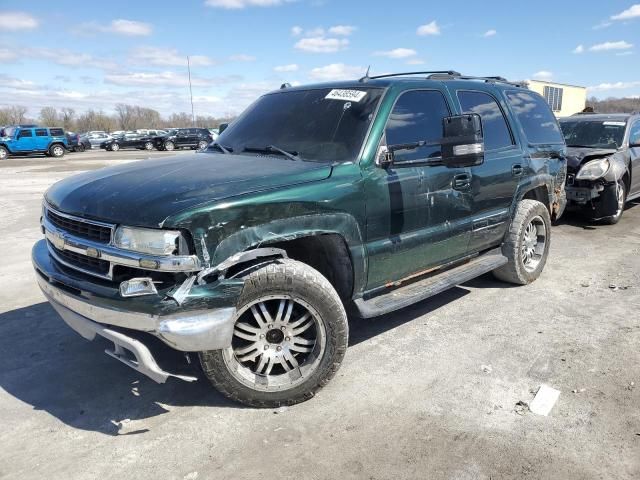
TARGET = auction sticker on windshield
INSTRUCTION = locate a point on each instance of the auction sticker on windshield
(614, 124)
(347, 95)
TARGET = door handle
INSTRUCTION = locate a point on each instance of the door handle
(462, 181)
(516, 170)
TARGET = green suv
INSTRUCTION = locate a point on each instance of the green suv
(358, 197)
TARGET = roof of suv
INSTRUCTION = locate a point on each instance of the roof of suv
(598, 117)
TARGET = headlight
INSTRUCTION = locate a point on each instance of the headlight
(147, 240)
(593, 170)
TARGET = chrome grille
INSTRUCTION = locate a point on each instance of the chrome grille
(81, 228)
(82, 262)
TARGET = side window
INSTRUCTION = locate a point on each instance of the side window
(634, 133)
(417, 115)
(494, 125)
(25, 133)
(56, 132)
(539, 124)
(41, 132)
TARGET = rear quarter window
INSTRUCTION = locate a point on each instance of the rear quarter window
(56, 132)
(537, 120)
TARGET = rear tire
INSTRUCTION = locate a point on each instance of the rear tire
(56, 151)
(202, 145)
(4, 153)
(527, 244)
(621, 196)
(283, 356)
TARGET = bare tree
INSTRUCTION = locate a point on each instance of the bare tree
(614, 105)
(68, 117)
(49, 117)
(13, 115)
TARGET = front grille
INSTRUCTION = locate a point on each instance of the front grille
(79, 228)
(83, 262)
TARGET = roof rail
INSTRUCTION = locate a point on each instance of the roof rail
(402, 74)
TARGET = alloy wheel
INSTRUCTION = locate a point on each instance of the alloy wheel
(533, 243)
(148, 146)
(169, 146)
(278, 342)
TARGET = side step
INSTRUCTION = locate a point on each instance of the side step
(423, 289)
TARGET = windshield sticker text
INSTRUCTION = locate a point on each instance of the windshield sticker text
(346, 95)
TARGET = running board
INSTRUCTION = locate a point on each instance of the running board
(415, 292)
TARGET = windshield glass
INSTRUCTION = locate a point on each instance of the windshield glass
(327, 125)
(593, 134)
(9, 131)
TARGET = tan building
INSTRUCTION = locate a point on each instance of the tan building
(563, 99)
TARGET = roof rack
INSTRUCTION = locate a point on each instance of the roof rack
(447, 75)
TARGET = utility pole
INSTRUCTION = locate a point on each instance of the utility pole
(193, 117)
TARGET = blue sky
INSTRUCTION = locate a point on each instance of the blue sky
(95, 54)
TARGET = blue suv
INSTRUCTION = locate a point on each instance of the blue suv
(24, 140)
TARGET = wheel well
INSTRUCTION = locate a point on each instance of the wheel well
(326, 253)
(627, 179)
(541, 194)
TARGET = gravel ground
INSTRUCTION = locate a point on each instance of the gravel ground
(427, 392)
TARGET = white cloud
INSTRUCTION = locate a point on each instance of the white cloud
(613, 86)
(67, 58)
(17, 83)
(579, 49)
(242, 58)
(543, 75)
(167, 57)
(624, 54)
(397, 53)
(7, 55)
(237, 4)
(342, 30)
(336, 71)
(602, 25)
(292, 67)
(160, 79)
(430, 28)
(415, 61)
(296, 31)
(629, 13)
(321, 44)
(130, 28)
(603, 47)
(490, 33)
(17, 21)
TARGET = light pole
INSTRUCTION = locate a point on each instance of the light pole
(193, 117)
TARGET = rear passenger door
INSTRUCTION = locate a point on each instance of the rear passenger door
(41, 140)
(493, 183)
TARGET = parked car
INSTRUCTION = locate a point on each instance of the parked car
(27, 140)
(194, 138)
(363, 196)
(152, 132)
(128, 140)
(96, 138)
(602, 152)
(76, 142)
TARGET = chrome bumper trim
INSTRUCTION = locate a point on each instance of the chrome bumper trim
(189, 331)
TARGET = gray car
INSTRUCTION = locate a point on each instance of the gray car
(96, 138)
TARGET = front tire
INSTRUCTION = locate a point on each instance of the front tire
(148, 146)
(527, 244)
(56, 151)
(169, 146)
(289, 339)
(202, 145)
(115, 147)
(621, 198)
(4, 153)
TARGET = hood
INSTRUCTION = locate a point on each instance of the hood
(146, 192)
(576, 156)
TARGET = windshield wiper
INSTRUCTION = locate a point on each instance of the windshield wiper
(271, 149)
(221, 147)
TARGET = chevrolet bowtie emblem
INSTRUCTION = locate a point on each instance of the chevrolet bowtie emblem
(58, 241)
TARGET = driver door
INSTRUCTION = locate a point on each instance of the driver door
(634, 153)
(417, 215)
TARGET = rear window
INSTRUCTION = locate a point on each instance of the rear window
(56, 132)
(539, 124)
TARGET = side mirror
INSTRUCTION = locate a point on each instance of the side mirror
(634, 142)
(222, 127)
(463, 141)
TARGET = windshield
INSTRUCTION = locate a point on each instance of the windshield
(9, 131)
(593, 134)
(326, 125)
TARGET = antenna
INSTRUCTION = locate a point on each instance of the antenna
(193, 117)
(366, 75)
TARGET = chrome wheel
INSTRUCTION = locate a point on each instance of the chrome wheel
(278, 342)
(202, 145)
(148, 146)
(58, 151)
(533, 243)
(169, 146)
(115, 147)
(3, 154)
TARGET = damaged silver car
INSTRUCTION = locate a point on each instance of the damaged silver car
(603, 152)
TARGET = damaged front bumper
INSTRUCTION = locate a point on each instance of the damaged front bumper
(203, 320)
(598, 197)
